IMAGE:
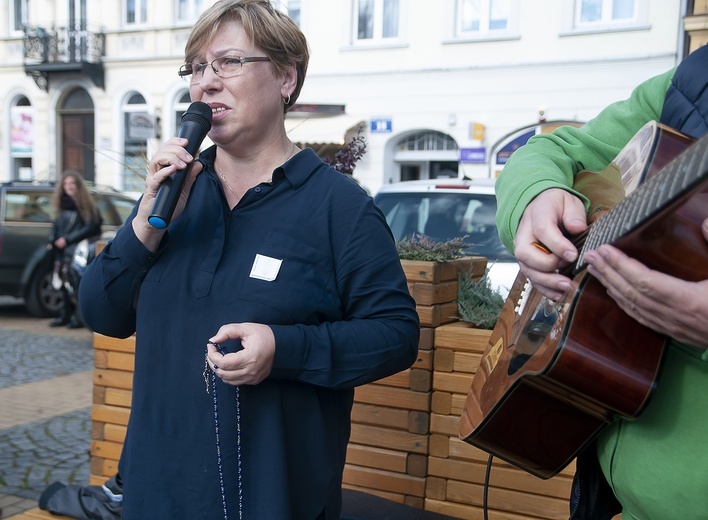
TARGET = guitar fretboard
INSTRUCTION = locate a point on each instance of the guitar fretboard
(677, 178)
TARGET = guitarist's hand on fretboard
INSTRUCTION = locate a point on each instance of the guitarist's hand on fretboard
(548, 220)
(664, 303)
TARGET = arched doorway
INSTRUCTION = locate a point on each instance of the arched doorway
(77, 134)
(426, 154)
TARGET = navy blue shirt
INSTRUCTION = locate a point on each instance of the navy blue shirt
(311, 256)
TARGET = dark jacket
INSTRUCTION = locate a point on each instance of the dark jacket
(686, 110)
(70, 225)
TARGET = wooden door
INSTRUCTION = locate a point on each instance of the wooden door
(78, 145)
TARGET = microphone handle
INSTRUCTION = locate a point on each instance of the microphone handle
(169, 191)
(167, 198)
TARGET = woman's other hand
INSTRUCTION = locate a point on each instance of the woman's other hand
(248, 366)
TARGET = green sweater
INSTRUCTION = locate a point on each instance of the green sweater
(552, 160)
(656, 464)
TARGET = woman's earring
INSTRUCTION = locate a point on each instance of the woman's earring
(286, 101)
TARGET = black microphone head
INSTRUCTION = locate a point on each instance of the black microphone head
(200, 113)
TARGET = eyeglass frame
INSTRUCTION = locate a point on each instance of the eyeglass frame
(182, 73)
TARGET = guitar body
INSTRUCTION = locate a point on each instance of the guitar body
(555, 373)
(542, 393)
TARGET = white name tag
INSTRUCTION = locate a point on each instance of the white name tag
(265, 268)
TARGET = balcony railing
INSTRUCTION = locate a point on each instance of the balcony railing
(58, 50)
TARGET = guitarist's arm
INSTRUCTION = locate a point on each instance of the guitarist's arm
(536, 201)
(668, 305)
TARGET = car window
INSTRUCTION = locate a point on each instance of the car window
(123, 206)
(114, 210)
(445, 216)
(28, 206)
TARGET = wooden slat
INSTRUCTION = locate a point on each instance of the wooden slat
(466, 362)
(431, 293)
(385, 480)
(424, 360)
(427, 338)
(462, 337)
(371, 457)
(106, 449)
(102, 469)
(392, 397)
(114, 433)
(400, 379)
(121, 361)
(503, 476)
(445, 424)
(388, 438)
(380, 416)
(436, 272)
(102, 342)
(113, 378)
(438, 314)
(510, 501)
(117, 397)
(453, 382)
(38, 514)
(394, 497)
(110, 414)
(441, 403)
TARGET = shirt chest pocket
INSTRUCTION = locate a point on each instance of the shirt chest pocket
(289, 278)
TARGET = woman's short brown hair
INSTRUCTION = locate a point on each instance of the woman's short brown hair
(269, 29)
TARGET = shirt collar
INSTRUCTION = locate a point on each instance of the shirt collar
(297, 170)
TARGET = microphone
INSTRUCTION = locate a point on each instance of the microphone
(196, 123)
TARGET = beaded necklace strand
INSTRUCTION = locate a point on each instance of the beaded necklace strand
(210, 375)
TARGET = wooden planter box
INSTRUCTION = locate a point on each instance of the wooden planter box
(433, 285)
(114, 360)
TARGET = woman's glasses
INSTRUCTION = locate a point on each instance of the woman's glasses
(224, 67)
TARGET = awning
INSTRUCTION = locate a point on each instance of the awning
(319, 129)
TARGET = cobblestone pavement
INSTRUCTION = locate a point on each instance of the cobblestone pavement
(45, 396)
(26, 357)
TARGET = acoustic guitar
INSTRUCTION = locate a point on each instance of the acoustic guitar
(556, 372)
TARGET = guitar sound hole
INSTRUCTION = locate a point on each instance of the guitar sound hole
(533, 334)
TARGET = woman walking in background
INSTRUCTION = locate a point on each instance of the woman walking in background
(76, 218)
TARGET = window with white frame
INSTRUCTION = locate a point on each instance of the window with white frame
(17, 15)
(21, 138)
(294, 11)
(590, 13)
(475, 18)
(135, 12)
(291, 8)
(188, 10)
(183, 102)
(375, 21)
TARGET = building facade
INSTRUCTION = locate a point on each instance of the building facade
(443, 88)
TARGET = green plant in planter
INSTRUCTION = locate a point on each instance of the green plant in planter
(478, 302)
(421, 247)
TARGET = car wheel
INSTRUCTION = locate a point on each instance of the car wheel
(41, 299)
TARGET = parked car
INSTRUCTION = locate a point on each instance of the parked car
(26, 217)
(444, 209)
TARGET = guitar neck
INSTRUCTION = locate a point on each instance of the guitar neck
(677, 178)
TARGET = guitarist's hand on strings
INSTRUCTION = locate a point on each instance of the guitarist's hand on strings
(541, 245)
(666, 304)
